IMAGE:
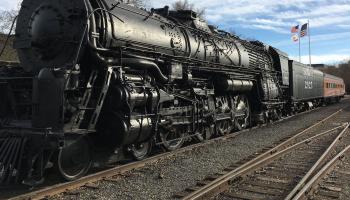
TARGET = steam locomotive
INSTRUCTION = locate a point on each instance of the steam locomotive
(100, 81)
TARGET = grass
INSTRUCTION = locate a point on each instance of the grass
(10, 53)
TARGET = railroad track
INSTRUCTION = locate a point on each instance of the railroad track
(109, 174)
(281, 172)
(328, 182)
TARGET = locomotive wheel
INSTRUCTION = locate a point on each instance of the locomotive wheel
(223, 105)
(74, 160)
(172, 139)
(142, 150)
(204, 133)
(223, 127)
(242, 109)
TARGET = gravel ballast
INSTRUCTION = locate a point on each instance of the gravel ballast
(165, 178)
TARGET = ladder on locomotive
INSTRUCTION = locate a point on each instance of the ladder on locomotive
(92, 102)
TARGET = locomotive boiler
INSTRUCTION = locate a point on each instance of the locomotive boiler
(104, 81)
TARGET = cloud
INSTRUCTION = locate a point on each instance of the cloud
(344, 26)
(9, 4)
(273, 15)
(262, 14)
(266, 27)
(325, 20)
(343, 51)
(317, 38)
(323, 59)
(215, 18)
(270, 22)
(318, 10)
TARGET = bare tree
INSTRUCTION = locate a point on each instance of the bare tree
(137, 3)
(343, 71)
(7, 17)
(185, 5)
(6, 20)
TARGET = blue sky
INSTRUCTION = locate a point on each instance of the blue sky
(270, 21)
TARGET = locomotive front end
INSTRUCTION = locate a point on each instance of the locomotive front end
(49, 34)
(24, 149)
(49, 37)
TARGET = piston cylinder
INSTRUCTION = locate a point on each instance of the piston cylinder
(231, 85)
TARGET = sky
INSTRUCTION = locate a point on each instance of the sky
(270, 21)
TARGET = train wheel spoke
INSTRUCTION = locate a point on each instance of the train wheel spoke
(223, 127)
(172, 139)
(242, 108)
(141, 151)
(74, 160)
(204, 133)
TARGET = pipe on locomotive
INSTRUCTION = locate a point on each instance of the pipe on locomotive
(146, 64)
(91, 26)
(129, 62)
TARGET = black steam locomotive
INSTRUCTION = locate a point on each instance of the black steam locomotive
(100, 81)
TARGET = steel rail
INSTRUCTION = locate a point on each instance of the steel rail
(264, 155)
(64, 187)
(316, 166)
(220, 184)
(311, 185)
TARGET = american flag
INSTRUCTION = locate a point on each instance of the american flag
(294, 29)
(303, 30)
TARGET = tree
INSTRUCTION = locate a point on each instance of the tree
(7, 17)
(137, 3)
(343, 71)
(6, 20)
(185, 5)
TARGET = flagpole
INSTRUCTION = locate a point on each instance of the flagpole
(308, 27)
(299, 45)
